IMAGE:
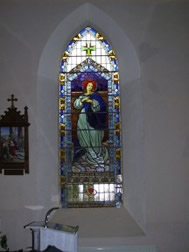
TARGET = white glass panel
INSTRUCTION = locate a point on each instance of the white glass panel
(112, 187)
(98, 59)
(104, 60)
(74, 52)
(80, 188)
(74, 61)
(92, 37)
(107, 196)
(106, 187)
(88, 37)
(112, 196)
(81, 197)
(98, 51)
(96, 187)
(78, 49)
(103, 51)
(102, 197)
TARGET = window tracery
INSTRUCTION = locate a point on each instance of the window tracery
(89, 123)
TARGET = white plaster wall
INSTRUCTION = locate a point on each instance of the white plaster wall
(154, 90)
(129, 74)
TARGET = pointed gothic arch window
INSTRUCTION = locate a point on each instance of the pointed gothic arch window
(89, 123)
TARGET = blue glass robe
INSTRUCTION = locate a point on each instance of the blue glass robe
(90, 130)
(97, 120)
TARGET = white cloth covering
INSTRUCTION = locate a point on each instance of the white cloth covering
(64, 241)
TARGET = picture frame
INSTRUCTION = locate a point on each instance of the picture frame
(14, 150)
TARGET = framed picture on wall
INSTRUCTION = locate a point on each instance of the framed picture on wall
(14, 153)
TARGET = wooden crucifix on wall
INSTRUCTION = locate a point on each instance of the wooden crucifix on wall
(14, 153)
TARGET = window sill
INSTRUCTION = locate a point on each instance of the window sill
(99, 222)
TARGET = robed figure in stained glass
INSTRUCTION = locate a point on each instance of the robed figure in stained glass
(91, 125)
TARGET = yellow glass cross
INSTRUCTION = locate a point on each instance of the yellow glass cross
(88, 48)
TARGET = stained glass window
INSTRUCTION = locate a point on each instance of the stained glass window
(89, 123)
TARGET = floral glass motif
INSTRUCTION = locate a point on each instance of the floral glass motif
(89, 123)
